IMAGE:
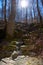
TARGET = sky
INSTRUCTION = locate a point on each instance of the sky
(41, 7)
(21, 12)
(0, 4)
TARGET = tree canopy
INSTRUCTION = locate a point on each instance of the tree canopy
(31, 11)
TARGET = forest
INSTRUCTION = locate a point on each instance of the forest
(34, 10)
(21, 29)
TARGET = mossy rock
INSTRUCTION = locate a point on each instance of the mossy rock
(10, 48)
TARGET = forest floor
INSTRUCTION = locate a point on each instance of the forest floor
(32, 37)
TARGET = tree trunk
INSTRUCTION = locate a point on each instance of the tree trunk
(42, 2)
(39, 12)
(5, 17)
(11, 23)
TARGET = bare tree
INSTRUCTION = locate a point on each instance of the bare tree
(5, 28)
(13, 9)
(2, 9)
(42, 2)
(39, 12)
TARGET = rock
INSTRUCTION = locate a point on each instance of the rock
(7, 61)
(15, 54)
(22, 60)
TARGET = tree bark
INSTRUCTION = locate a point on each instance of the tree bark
(5, 17)
(39, 12)
(42, 2)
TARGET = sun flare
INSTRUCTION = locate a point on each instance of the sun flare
(24, 3)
